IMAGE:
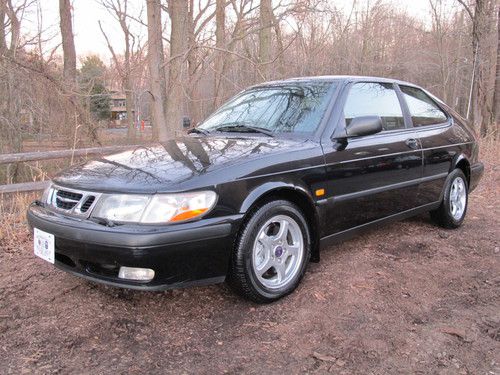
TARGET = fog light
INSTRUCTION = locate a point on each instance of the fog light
(139, 274)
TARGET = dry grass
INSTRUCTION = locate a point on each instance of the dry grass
(13, 226)
(489, 154)
(489, 149)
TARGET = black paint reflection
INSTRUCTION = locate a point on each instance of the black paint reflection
(165, 166)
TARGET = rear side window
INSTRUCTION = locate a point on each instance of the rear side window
(423, 110)
(374, 99)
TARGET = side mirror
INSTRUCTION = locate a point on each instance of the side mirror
(364, 125)
(186, 122)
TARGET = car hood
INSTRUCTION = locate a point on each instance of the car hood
(178, 164)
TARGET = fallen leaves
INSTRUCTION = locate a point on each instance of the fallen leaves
(324, 357)
(452, 331)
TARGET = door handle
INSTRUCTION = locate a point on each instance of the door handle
(412, 143)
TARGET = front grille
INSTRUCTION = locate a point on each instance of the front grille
(69, 195)
(72, 202)
(88, 202)
(66, 200)
(65, 205)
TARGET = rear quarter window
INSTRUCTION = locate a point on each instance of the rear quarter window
(423, 110)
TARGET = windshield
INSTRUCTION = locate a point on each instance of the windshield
(293, 108)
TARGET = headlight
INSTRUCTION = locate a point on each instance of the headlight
(154, 209)
(121, 207)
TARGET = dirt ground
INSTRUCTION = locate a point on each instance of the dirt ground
(407, 298)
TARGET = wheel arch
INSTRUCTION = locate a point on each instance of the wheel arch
(290, 192)
(462, 162)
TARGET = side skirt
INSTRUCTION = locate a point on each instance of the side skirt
(349, 233)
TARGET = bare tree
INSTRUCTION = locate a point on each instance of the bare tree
(3, 42)
(279, 42)
(265, 35)
(478, 100)
(118, 9)
(496, 94)
(220, 31)
(178, 10)
(68, 41)
(218, 47)
(156, 69)
(14, 14)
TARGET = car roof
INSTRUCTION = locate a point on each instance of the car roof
(331, 78)
(344, 78)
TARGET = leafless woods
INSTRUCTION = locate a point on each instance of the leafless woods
(182, 58)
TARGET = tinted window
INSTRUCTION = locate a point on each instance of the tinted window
(423, 110)
(374, 99)
(294, 108)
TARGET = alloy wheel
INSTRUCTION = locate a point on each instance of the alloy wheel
(458, 198)
(278, 252)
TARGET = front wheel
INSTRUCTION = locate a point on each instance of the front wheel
(451, 212)
(271, 252)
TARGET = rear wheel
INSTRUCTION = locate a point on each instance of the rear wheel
(451, 212)
(271, 253)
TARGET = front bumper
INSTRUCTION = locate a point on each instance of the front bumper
(476, 172)
(181, 254)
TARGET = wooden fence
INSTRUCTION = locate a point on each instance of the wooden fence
(50, 155)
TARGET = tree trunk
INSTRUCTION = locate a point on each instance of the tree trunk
(15, 25)
(129, 100)
(3, 43)
(127, 85)
(265, 36)
(481, 27)
(190, 87)
(156, 70)
(281, 51)
(68, 42)
(496, 94)
(178, 10)
(220, 30)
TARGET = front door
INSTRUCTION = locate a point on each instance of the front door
(376, 176)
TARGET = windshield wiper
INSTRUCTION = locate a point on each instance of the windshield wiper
(242, 128)
(198, 131)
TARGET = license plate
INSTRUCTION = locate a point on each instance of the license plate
(44, 245)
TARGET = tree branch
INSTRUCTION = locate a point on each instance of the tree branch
(467, 9)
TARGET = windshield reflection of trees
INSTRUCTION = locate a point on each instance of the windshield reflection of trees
(296, 108)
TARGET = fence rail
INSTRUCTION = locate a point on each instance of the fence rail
(60, 154)
(23, 187)
(51, 155)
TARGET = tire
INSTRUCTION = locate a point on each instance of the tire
(271, 253)
(451, 212)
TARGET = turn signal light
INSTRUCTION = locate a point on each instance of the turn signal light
(186, 215)
(319, 192)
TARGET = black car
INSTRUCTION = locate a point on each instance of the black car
(254, 193)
